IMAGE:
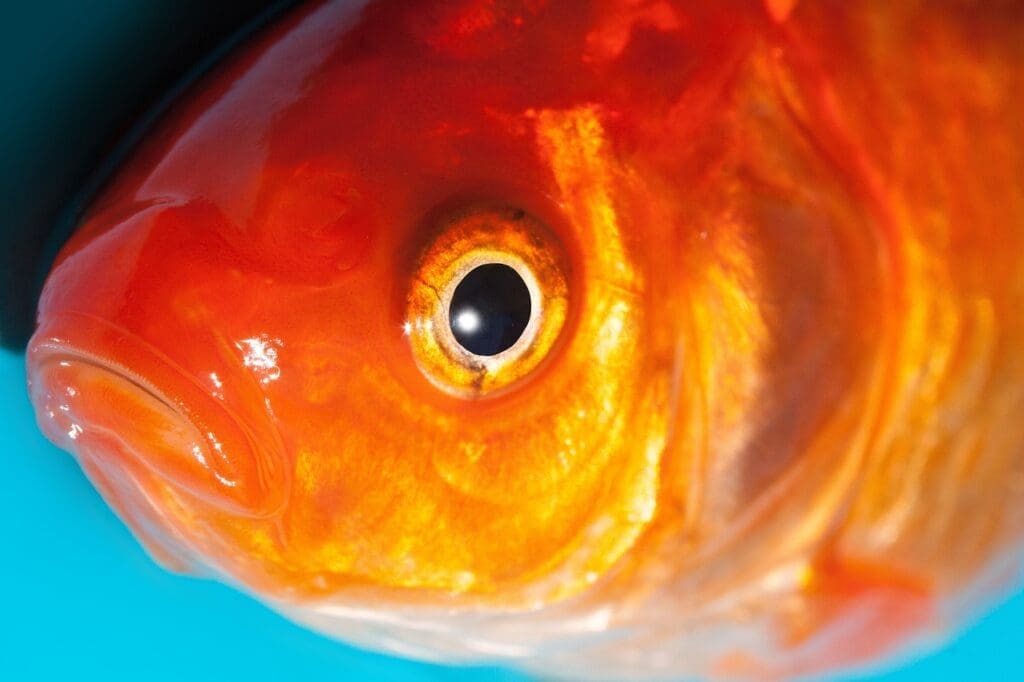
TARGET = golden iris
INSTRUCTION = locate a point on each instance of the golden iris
(467, 240)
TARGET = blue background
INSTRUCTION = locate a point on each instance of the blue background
(81, 600)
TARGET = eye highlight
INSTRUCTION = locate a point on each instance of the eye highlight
(490, 309)
(487, 302)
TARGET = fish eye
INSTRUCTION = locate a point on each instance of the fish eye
(490, 309)
(488, 300)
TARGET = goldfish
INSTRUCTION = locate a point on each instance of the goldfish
(621, 338)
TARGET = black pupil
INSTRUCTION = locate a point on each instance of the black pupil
(489, 309)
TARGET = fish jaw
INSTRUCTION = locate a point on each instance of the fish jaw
(103, 392)
(163, 413)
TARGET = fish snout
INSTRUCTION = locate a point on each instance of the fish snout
(114, 400)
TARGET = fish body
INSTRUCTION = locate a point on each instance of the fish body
(763, 418)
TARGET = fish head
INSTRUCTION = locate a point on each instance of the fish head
(760, 377)
(245, 342)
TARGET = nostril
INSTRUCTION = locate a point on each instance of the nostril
(125, 402)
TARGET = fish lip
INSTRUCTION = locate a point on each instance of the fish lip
(70, 336)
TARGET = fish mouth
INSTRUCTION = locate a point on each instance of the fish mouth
(109, 396)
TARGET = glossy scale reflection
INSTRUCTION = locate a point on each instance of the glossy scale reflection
(775, 374)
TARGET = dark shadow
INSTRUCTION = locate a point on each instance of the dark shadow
(80, 84)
